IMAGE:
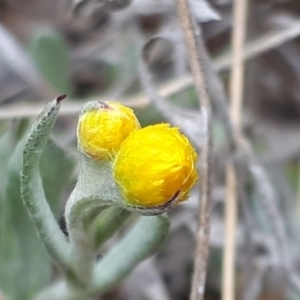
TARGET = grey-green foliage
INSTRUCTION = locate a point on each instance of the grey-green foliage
(76, 257)
(51, 55)
(9, 250)
(142, 241)
(24, 264)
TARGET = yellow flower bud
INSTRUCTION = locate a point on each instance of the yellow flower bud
(103, 126)
(155, 167)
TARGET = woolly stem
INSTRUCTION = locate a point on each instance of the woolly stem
(141, 242)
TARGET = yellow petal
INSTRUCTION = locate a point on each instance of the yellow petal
(153, 165)
(103, 126)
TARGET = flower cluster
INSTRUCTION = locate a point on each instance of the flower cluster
(153, 167)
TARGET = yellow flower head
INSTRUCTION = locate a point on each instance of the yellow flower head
(155, 167)
(103, 126)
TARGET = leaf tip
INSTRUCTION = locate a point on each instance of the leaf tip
(60, 98)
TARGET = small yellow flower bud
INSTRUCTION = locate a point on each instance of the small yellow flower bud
(155, 167)
(103, 126)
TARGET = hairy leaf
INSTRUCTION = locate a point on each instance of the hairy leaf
(51, 55)
(23, 258)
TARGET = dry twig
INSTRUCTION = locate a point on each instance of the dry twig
(236, 92)
(277, 225)
(202, 239)
(252, 50)
(13, 54)
(188, 120)
(244, 148)
(256, 284)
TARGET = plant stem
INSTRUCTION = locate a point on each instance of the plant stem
(237, 75)
(93, 214)
(236, 92)
(141, 242)
(196, 64)
(228, 276)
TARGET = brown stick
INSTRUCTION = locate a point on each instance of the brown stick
(252, 50)
(202, 238)
(236, 93)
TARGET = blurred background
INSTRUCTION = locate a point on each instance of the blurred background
(135, 53)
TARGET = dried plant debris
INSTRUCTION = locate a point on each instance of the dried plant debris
(101, 5)
(188, 121)
(202, 11)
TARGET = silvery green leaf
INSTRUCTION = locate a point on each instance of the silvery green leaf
(51, 56)
(21, 251)
(33, 194)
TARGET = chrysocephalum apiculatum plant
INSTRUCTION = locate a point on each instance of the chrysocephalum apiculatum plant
(124, 170)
